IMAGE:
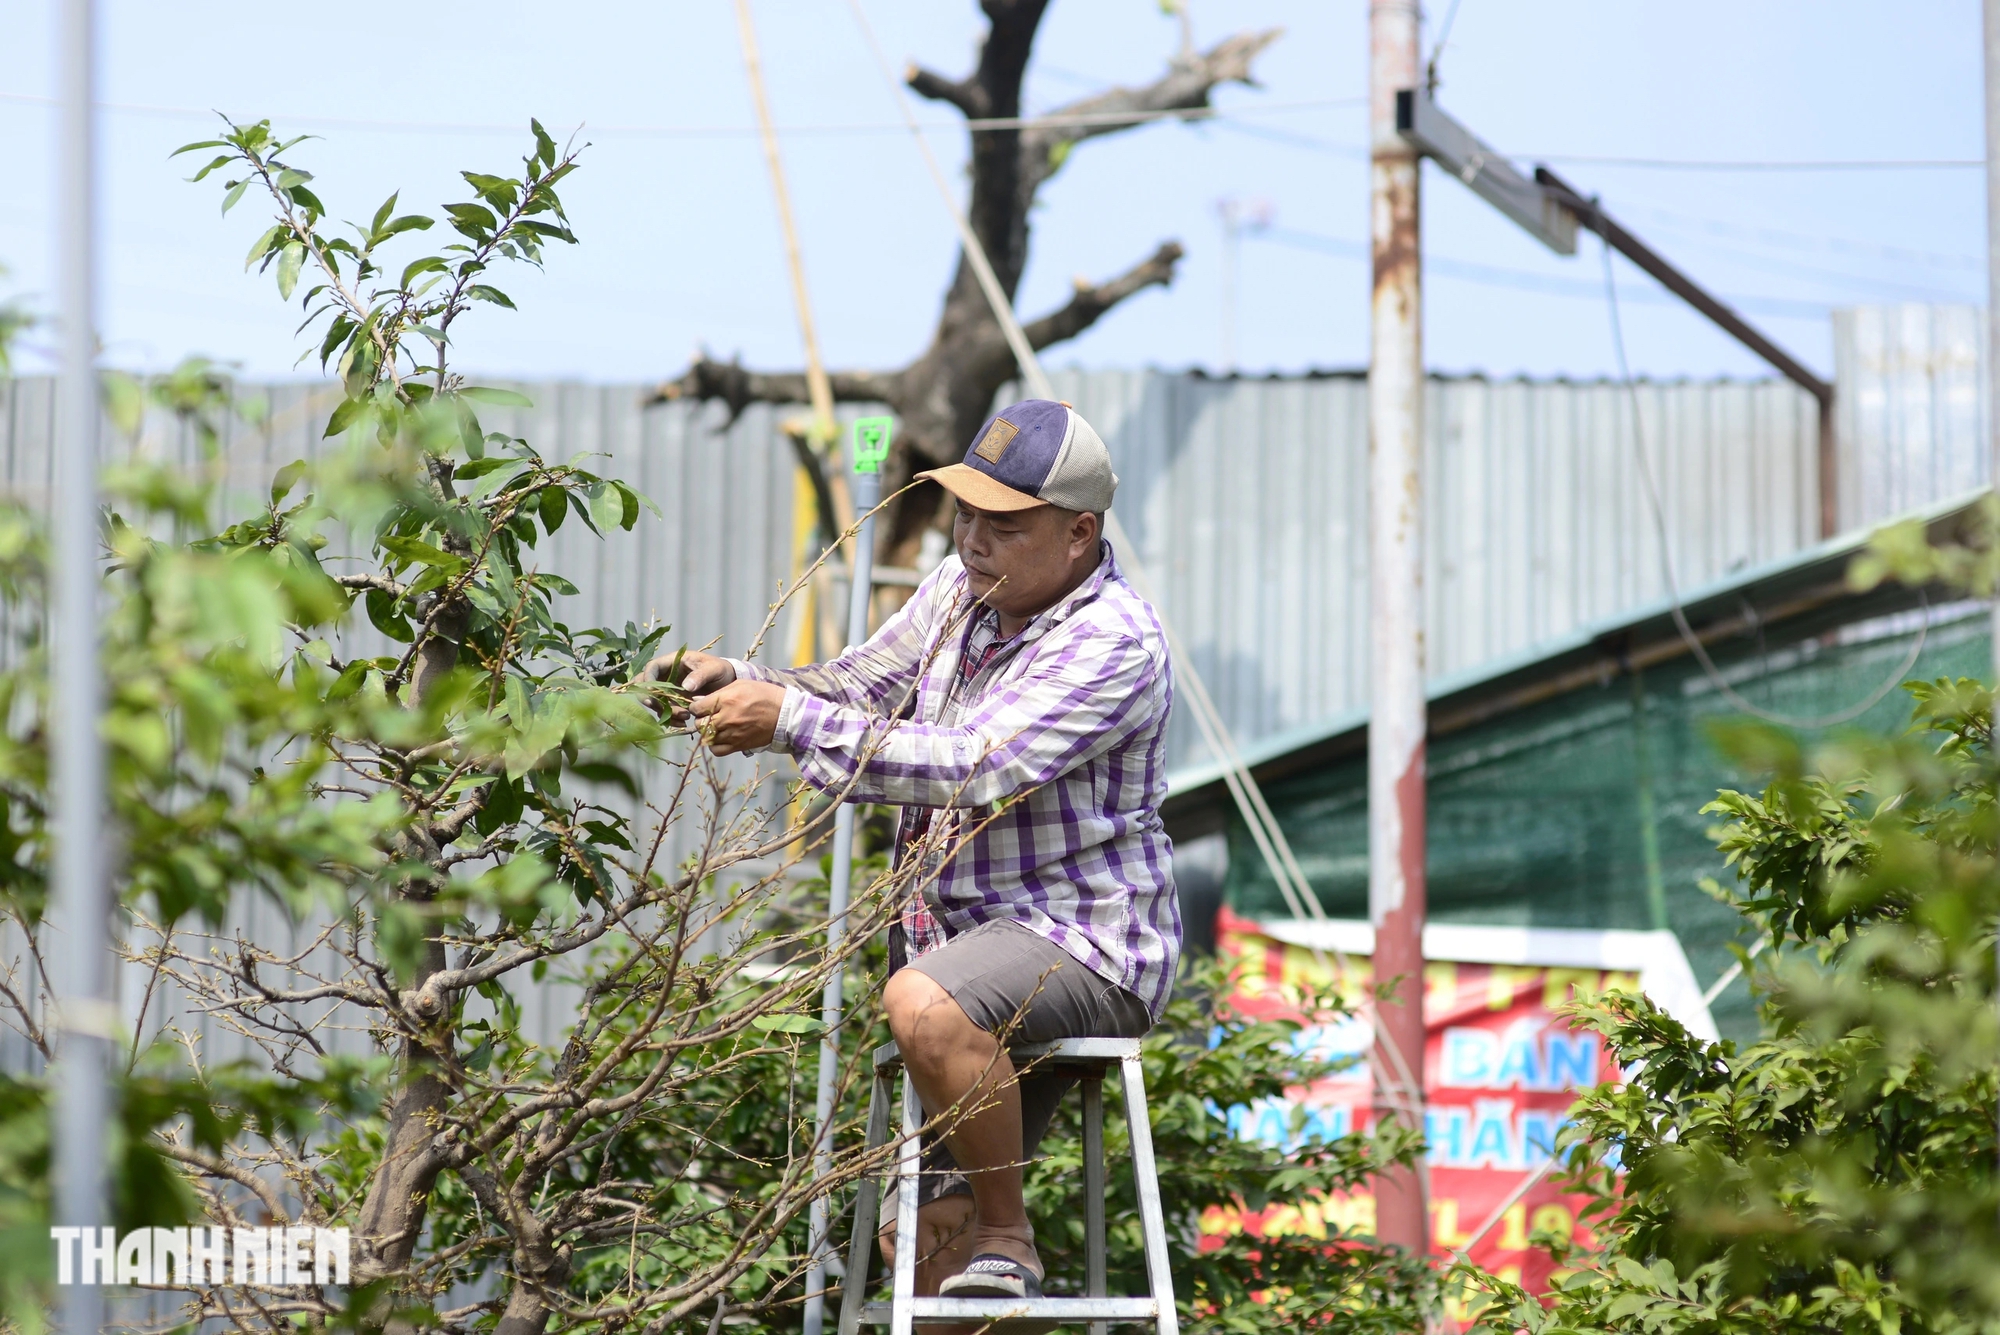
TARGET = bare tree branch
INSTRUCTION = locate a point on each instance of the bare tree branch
(1089, 301)
(708, 379)
(943, 395)
(964, 94)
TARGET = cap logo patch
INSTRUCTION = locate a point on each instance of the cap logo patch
(996, 440)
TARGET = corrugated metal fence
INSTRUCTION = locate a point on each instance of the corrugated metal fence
(1910, 407)
(1246, 497)
(1248, 502)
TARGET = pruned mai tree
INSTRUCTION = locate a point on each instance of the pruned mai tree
(941, 398)
(362, 701)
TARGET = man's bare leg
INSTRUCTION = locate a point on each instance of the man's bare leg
(954, 1062)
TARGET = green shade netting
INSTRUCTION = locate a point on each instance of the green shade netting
(1584, 810)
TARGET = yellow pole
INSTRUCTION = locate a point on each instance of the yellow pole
(818, 388)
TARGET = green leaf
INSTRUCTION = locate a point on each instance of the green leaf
(235, 193)
(286, 478)
(549, 230)
(1627, 1304)
(262, 245)
(499, 398)
(554, 506)
(336, 334)
(472, 220)
(495, 190)
(421, 266)
(343, 416)
(630, 510)
(608, 506)
(409, 222)
(416, 551)
(482, 292)
(481, 467)
(382, 214)
(124, 401)
(787, 1024)
(221, 160)
(545, 147)
(598, 772)
(350, 677)
(198, 145)
(383, 616)
(289, 261)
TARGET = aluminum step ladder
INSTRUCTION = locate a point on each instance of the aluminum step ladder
(1088, 1059)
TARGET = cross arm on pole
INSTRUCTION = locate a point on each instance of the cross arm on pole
(1484, 170)
(1550, 209)
(1589, 213)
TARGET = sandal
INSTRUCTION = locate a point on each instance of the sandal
(992, 1276)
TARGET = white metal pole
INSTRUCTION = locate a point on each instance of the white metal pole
(1396, 717)
(81, 911)
(1991, 12)
(867, 488)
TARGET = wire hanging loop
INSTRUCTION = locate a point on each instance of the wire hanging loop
(1658, 510)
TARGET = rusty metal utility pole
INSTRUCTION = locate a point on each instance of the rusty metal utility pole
(1396, 716)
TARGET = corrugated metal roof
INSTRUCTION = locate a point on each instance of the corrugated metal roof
(1807, 585)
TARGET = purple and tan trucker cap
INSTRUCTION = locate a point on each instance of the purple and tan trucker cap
(1038, 452)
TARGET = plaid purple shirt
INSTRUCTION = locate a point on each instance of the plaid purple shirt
(1046, 768)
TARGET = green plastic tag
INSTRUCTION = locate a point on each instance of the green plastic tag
(871, 443)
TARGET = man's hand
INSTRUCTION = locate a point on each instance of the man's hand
(700, 674)
(742, 716)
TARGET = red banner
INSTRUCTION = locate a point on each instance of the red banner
(1501, 1069)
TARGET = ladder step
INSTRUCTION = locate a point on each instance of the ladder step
(937, 1311)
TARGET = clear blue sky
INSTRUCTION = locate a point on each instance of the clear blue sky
(680, 240)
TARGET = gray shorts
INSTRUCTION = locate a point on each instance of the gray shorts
(1025, 989)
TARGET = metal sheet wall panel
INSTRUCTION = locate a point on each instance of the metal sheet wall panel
(1247, 498)
(1248, 501)
(1911, 407)
(710, 564)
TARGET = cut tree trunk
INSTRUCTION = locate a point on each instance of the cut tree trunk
(943, 396)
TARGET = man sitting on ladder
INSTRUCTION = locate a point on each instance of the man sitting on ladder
(1016, 707)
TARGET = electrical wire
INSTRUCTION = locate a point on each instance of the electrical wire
(977, 125)
(1437, 47)
(1891, 288)
(1781, 239)
(1522, 279)
(1758, 164)
(1688, 637)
